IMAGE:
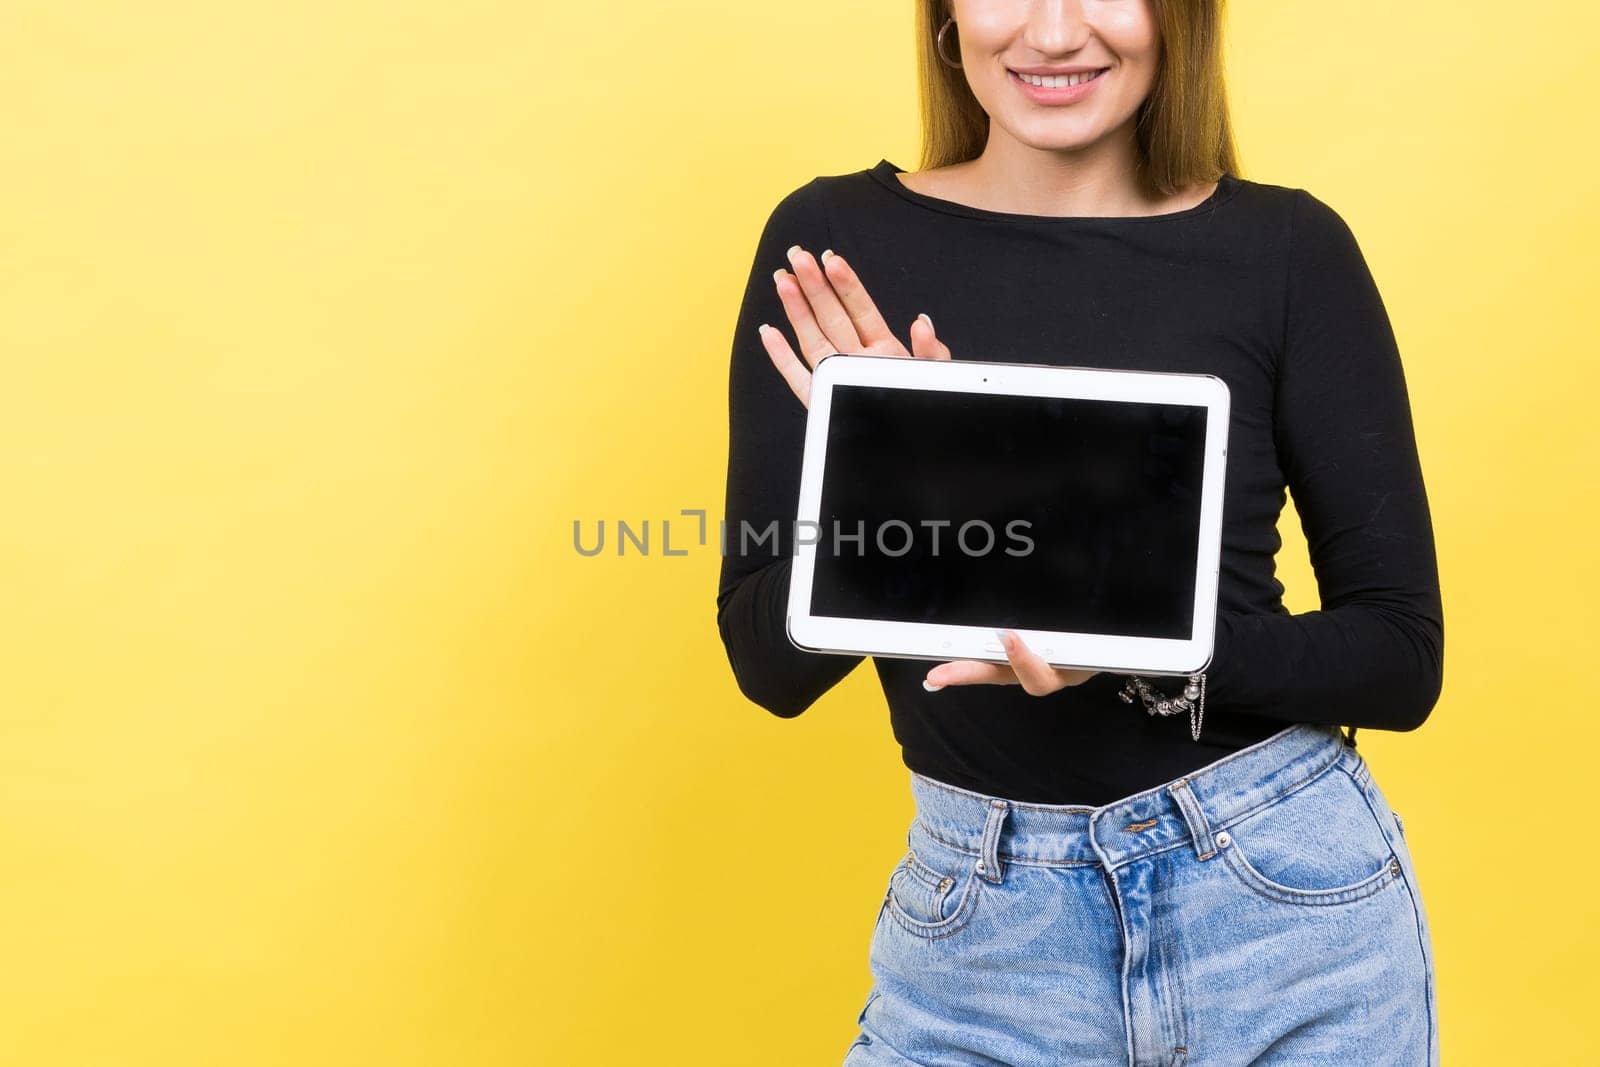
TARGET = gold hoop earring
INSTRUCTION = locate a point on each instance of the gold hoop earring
(938, 44)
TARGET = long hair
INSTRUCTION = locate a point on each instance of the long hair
(1182, 130)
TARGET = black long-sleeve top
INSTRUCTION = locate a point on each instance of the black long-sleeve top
(1263, 286)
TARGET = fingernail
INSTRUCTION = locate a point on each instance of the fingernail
(826, 253)
(779, 273)
(924, 318)
(930, 687)
(792, 252)
(1005, 638)
(762, 329)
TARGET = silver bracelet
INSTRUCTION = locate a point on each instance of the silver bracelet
(1192, 700)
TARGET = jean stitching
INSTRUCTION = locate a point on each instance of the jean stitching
(1283, 794)
(944, 927)
(1156, 792)
(1194, 817)
(1108, 882)
(1030, 861)
(1428, 982)
(1177, 1001)
(1009, 857)
(932, 877)
(1292, 895)
(1412, 894)
(992, 863)
(1285, 894)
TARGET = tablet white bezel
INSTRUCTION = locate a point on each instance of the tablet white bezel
(937, 642)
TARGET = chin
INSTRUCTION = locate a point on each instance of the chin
(1058, 136)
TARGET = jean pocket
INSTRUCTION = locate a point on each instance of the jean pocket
(1318, 845)
(933, 890)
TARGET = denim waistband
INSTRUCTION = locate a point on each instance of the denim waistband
(1186, 812)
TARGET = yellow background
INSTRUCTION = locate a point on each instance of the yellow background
(320, 744)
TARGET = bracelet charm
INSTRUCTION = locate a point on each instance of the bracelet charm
(1192, 700)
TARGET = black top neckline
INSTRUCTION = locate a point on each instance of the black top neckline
(884, 173)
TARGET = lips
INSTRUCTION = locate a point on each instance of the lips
(1052, 94)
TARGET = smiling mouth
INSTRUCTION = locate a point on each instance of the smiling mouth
(1058, 81)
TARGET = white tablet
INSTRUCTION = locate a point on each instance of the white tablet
(941, 501)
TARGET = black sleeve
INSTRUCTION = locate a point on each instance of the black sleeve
(766, 436)
(1373, 656)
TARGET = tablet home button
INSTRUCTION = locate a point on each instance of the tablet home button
(994, 646)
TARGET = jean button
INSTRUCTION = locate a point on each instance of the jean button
(979, 867)
(1223, 840)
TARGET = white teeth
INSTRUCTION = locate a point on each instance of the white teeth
(1059, 81)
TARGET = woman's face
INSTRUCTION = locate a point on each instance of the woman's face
(1002, 41)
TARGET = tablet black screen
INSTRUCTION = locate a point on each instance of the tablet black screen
(1010, 511)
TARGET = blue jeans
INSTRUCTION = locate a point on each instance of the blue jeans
(1261, 910)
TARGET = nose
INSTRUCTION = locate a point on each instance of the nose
(1057, 27)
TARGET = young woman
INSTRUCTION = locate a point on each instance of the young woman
(1086, 883)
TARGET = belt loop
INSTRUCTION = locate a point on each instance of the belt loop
(1199, 829)
(989, 860)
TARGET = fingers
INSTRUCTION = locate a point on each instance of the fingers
(794, 372)
(925, 344)
(814, 344)
(1036, 677)
(1022, 667)
(864, 315)
(831, 312)
(968, 672)
(826, 309)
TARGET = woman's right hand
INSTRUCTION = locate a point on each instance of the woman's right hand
(831, 312)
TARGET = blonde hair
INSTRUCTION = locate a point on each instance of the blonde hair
(1183, 132)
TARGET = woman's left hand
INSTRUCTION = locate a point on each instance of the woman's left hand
(1023, 667)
